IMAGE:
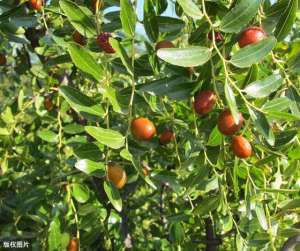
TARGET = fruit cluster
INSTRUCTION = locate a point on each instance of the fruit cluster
(204, 102)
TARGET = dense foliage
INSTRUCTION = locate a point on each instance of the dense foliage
(150, 125)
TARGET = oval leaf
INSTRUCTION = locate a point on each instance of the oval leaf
(190, 8)
(90, 167)
(108, 137)
(80, 192)
(262, 126)
(128, 17)
(150, 22)
(238, 17)
(263, 88)
(252, 54)
(79, 17)
(286, 21)
(185, 57)
(113, 195)
(230, 98)
(82, 58)
(80, 102)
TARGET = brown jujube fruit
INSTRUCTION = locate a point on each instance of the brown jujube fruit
(73, 245)
(78, 38)
(204, 102)
(241, 147)
(166, 137)
(226, 123)
(164, 44)
(2, 59)
(116, 175)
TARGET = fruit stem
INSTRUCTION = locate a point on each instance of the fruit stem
(130, 105)
(224, 61)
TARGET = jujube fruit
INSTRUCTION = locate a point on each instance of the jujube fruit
(164, 44)
(73, 245)
(142, 129)
(116, 175)
(251, 35)
(226, 123)
(204, 102)
(78, 38)
(2, 59)
(36, 4)
(241, 147)
(48, 104)
(218, 36)
(166, 137)
(103, 42)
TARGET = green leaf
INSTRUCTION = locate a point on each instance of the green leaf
(190, 8)
(207, 205)
(82, 58)
(254, 53)
(90, 167)
(80, 17)
(113, 195)
(54, 235)
(287, 19)
(185, 57)
(7, 116)
(20, 99)
(73, 128)
(261, 216)
(122, 54)
(215, 138)
(150, 22)
(177, 235)
(230, 98)
(263, 88)
(262, 126)
(111, 94)
(291, 204)
(251, 76)
(282, 116)
(175, 87)
(277, 104)
(80, 192)
(238, 17)
(80, 102)
(125, 154)
(294, 64)
(108, 137)
(170, 25)
(128, 17)
(4, 132)
(88, 151)
(48, 136)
